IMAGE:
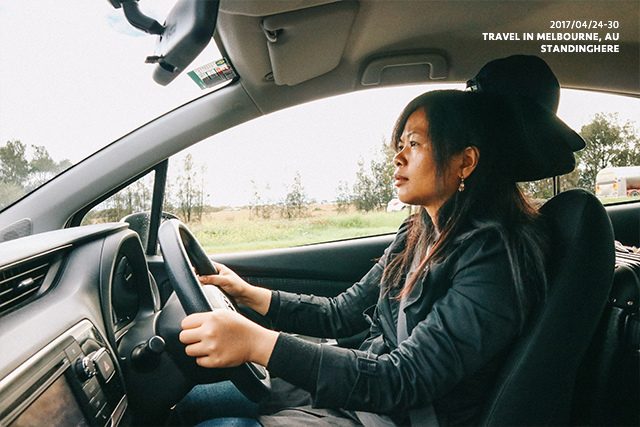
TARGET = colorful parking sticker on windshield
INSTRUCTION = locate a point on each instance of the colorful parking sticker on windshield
(212, 74)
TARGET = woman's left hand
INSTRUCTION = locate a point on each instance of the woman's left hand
(224, 338)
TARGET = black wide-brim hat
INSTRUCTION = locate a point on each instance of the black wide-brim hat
(537, 143)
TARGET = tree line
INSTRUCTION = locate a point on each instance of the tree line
(23, 169)
(608, 143)
(185, 195)
(372, 190)
(373, 187)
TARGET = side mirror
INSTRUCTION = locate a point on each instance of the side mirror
(140, 221)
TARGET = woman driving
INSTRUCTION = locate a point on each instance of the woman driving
(442, 306)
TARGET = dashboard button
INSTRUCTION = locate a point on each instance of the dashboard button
(97, 403)
(85, 368)
(74, 351)
(91, 388)
(104, 364)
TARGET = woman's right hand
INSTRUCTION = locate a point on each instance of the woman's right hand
(254, 297)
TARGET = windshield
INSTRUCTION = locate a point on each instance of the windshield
(73, 80)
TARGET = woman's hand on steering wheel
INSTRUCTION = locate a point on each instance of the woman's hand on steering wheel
(227, 280)
(224, 338)
(182, 255)
(254, 297)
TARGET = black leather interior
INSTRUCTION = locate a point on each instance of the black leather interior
(626, 222)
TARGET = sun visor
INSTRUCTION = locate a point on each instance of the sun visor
(307, 43)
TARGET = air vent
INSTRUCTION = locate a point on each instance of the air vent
(21, 282)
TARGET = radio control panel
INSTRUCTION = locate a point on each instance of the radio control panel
(74, 380)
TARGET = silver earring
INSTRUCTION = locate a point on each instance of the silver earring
(461, 186)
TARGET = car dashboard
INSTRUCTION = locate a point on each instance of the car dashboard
(85, 287)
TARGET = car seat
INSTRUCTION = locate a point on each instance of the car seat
(607, 390)
(535, 386)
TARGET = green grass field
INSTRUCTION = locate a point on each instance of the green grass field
(233, 231)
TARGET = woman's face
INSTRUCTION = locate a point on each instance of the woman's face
(415, 177)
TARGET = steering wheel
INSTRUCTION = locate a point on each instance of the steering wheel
(182, 253)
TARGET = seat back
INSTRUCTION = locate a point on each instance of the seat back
(536, 384)
(607, 390)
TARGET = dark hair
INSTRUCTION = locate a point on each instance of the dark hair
(457, 120)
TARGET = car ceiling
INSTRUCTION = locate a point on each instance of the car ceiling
(294, 68)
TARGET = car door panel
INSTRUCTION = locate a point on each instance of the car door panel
(320, 269)
(324, 269)
(625, 219)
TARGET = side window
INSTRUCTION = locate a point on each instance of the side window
(321, 171)
(134, 198)
(315, 173)
(131, 204)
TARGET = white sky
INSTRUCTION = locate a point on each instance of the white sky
(73, 79)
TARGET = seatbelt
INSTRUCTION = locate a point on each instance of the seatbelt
(420, 417)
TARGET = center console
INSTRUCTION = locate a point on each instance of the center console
(73, 381)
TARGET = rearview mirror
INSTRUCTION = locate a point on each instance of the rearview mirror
(187, 31)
